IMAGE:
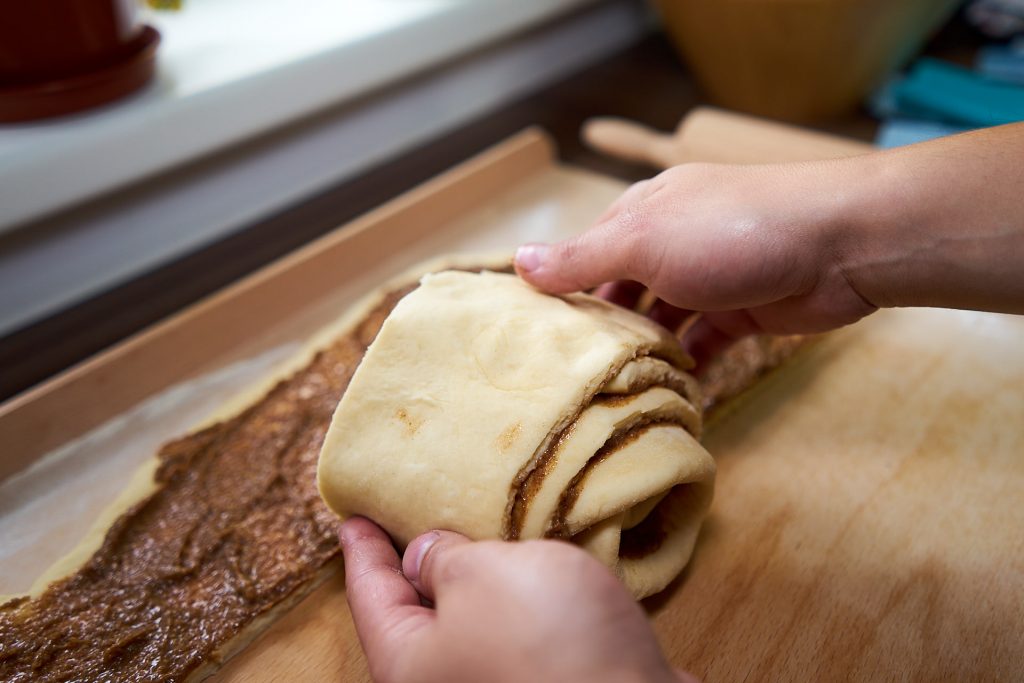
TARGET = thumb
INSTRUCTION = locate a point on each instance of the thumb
(427, 562)
(613, 249)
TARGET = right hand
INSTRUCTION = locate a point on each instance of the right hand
(806, 247)
(751, 246)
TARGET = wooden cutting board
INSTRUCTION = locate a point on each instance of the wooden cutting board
(868, 519)
(869, 515)
(868, 522)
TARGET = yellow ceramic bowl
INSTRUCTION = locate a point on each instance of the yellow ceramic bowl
(799, 60)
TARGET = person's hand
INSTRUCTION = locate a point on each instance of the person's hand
(806, 247)
(454, 610)
(750, 245)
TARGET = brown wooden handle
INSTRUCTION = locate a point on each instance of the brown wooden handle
(713, 135)
(630, 141)
(708, 134)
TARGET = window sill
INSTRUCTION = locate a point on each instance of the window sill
(221, 80)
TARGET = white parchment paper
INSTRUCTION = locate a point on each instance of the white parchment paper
(46, 509)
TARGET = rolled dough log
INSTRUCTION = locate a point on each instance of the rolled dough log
(489, 408)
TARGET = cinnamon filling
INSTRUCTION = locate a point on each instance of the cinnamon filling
(531, 478)
(621, 438)
(235, 527)
(742, 364)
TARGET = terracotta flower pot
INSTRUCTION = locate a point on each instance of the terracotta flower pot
(59, 56)
(799, 60)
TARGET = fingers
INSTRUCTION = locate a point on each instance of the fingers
(574, 265)
(629, 294)
(703, 342)
(611, 250)
(733, 324)
(633, 193)
(427, 562)
(385, 607)
(668, 316)
(625, 293)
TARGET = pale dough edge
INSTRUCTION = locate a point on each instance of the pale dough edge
(255, 628)
(142, 483)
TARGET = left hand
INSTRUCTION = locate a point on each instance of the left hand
(525, 611)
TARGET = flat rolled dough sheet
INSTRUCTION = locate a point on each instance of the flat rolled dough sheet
(486, 407)
(81, 620)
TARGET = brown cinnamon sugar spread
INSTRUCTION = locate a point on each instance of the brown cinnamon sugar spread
(621, 438)
(235, 527)
(742, 364)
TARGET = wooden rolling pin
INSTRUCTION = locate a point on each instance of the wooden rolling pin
(708, 134)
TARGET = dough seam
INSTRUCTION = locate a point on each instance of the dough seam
(517, 503)
(619, 438)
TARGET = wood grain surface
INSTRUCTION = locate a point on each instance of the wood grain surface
(700, 134)
(867, 522)
(866, 526)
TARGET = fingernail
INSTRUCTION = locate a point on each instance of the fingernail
(425, 543)
(529, 257)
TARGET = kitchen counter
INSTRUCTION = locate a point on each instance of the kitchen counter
(233, 69)
(645, 82)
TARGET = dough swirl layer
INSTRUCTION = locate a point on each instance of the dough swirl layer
(488, 408)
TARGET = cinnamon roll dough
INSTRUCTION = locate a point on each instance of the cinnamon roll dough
(489, 408)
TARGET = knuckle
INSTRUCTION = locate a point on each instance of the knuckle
(691, 170)
(637, 241)
(631, 220)
(675, 176)
(639, 188)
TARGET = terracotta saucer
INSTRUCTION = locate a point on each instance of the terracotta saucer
(129, 71)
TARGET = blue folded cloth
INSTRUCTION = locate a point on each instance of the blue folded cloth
(954, 95)
(899, 132)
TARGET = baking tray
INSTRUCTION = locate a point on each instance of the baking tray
(867, 521)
